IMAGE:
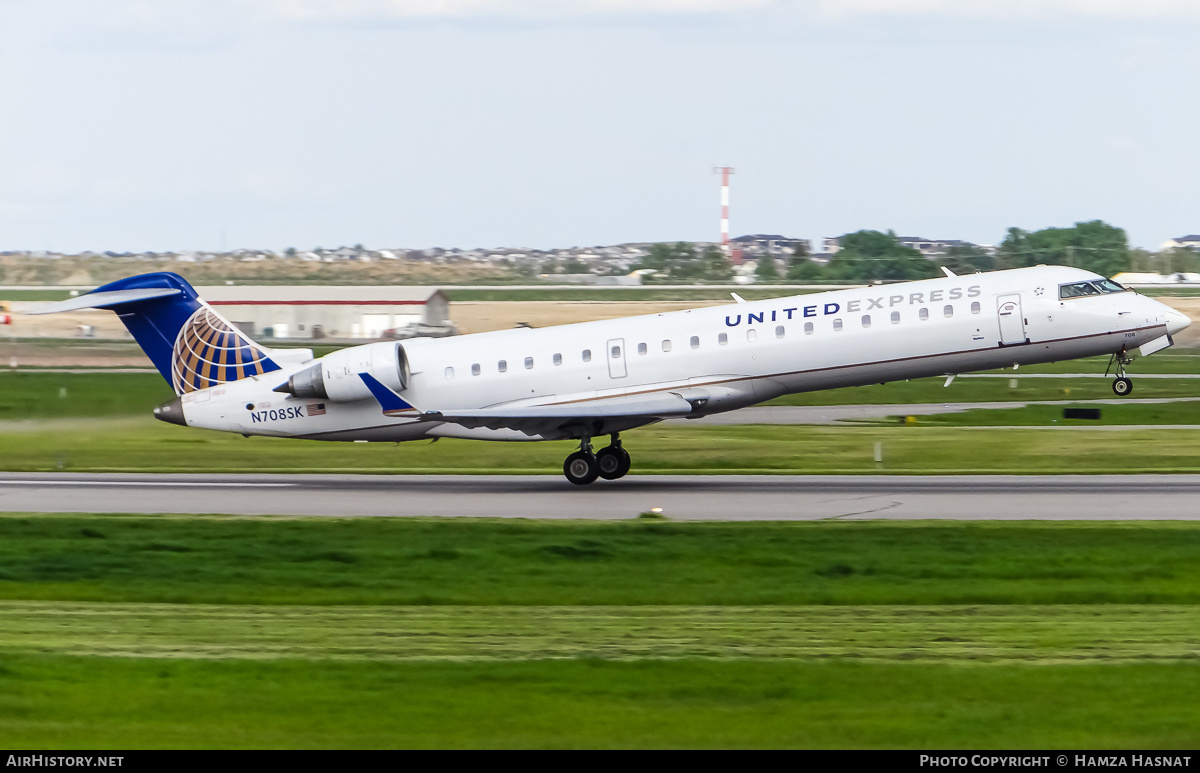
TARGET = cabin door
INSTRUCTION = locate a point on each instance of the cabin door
(1012, 323)
(616, 358)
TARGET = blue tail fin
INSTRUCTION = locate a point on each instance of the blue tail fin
(192, 346)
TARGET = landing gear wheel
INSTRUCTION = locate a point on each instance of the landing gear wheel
(613, 462)
(581, 468)
(1122, 386)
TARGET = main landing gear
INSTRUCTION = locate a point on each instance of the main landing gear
(1122, 385)
(610, 462)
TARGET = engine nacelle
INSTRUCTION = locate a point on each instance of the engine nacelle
(336, 375)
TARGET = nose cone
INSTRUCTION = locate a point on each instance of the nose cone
(172, 412)
(1176, 321)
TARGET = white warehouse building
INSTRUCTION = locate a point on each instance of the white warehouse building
(323, 311)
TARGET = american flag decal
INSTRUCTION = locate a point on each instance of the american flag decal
(316, 409)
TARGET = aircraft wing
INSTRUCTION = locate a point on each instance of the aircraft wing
(546, 419)
(597, 416)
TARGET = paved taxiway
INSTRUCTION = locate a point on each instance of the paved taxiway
(833, 414)
(682, 497)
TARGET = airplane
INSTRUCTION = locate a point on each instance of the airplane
(587, 380)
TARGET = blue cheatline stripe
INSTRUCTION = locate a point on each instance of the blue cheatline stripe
(388, 400)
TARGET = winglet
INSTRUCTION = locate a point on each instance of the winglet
(947, 271)
(391, 403)
(738, 298)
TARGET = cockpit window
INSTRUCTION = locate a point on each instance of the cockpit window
(1077, 290)
(1095, 287)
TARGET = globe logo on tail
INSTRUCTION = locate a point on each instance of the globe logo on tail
(210, 351)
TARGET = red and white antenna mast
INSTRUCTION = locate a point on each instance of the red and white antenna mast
(725, 172)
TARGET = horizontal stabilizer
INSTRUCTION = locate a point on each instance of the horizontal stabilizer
(106, 300)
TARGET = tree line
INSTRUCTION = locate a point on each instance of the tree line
(874, 256)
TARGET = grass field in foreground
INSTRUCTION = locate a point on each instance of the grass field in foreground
(61, 702)
(365, 561)
(1046, 634)
(336, 634)
(145, 445)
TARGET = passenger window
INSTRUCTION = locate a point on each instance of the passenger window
(587, 355)
(475, 369)
(895, 317)
(808, 328)
(723, 339)
(616, 352)
(866, 320)
(528, 363)
(666, 345)
(948, 311)
(557, 358)
(974, 307)
(642, 348)
(695, 342)
(779, 331)
(502, 365)
(837, 324)
(924, 314)
(449, 373)
(751, 335)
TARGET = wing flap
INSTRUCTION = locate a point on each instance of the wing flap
(547, 419)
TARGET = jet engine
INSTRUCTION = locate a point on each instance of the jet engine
(336, 375)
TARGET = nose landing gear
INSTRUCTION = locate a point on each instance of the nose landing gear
(1122, 385)
(584, 466)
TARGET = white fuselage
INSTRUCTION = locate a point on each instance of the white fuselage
(731, 356)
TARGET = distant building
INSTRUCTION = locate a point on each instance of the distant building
(1134, 279)
(320, 311)
(1190, 242)
(769, 244)
(930, 248)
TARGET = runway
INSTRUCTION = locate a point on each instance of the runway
(681, 497)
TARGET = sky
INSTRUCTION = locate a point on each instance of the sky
(173, 125)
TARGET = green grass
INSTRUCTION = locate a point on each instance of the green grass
(48, 294)
(365, 561)
(1043, 634)
(33, 395)
(57, 702)
(132, 632)
(144, 445)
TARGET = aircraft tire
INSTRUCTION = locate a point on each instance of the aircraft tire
(581, 468)
(613, 462)
(1122, 386)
